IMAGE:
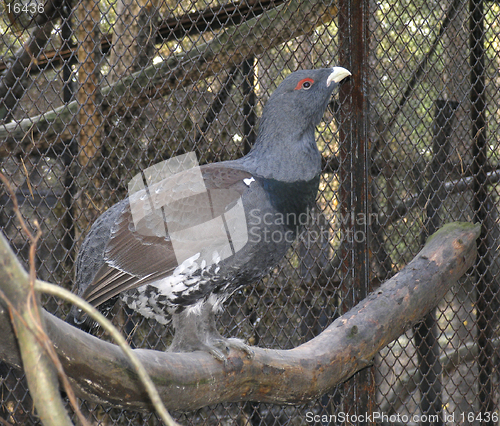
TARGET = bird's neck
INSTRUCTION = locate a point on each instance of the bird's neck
(285, 155)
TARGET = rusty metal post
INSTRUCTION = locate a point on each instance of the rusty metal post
(485, 281)
(354, 182)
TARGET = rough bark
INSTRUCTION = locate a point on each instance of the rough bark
(100, 372)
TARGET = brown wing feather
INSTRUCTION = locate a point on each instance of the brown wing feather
(139, 252)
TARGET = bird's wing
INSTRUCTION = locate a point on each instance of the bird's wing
(140, 248)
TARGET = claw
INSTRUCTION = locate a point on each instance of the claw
(198, 333)
(218, 347)
(241, 346)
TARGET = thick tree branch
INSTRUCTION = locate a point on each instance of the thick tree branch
(101, 373)
(232, 46)
(13, 78)
(174, 27)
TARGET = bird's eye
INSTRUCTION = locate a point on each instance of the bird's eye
(305, 83)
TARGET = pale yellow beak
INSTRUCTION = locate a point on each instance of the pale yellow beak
(337, 75)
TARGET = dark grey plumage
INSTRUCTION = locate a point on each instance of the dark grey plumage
(274, 185)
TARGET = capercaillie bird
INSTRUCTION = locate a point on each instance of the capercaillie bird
(176, 250)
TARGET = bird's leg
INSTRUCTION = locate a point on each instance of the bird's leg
(196, 331)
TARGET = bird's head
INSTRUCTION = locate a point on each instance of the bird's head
(302, 97)
(286, 147)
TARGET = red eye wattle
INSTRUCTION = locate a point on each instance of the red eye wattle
(305, 83)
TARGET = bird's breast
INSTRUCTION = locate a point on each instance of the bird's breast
(291, 201)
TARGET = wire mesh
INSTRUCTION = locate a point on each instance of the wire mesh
(93, 92)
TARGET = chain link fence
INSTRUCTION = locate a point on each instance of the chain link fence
(93, 92)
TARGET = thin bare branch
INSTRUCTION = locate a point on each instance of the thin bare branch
(32, 321)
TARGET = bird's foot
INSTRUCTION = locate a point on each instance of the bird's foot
(223, 346)
(216, 345)
(197, 332)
